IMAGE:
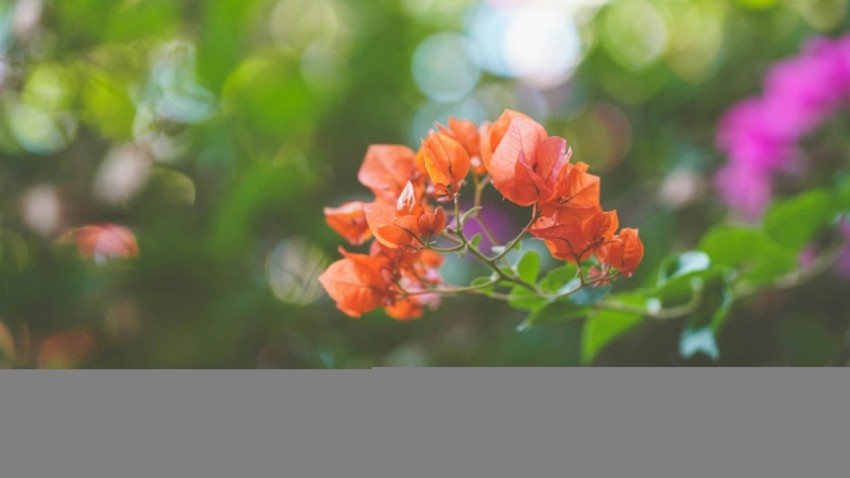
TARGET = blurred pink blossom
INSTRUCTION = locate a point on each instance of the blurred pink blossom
(760, 135)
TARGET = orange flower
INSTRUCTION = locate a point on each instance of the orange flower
(386, 169)
(527, 163)
(623, 252)
(446, 162)
(492, 134)
(356, 284)
(431, 224)
(577, 239)
(576, 190)
(409, 271)
(349, 220)
(468, 135)
(403, 224)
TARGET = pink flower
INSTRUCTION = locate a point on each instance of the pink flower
(760, 135)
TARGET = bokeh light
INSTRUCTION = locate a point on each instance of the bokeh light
(292, 269)
(443, 68)
(634, 33)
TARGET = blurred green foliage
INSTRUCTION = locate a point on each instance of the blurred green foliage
(217, 131)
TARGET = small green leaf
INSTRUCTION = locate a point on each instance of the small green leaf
(478, 281)
(680, 290)
(465, 217)
(793, 222)
(604, 327)
(525, 299)
(476, 240)
(559, 278)
(528, 266)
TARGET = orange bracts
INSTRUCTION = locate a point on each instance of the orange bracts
(527, 163)
(468, 135)
(386, 169)
(528, 167)
(356, 284)
(349, 220)
(405, 223)
(447, 164)
(623, 252)
(576, 240)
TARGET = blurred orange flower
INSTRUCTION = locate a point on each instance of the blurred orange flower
(105, 241)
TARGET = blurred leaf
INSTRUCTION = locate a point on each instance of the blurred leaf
(222, 38)
(150, 17)
(793, 222)
(682, 289)
(758, 258)
(552, 313)
(482, 280)
(604, 327)
(682, 264)
(525, 299)
(558, 279)
(257, 192)
(106, 94)
(528, 266)
(265, 96)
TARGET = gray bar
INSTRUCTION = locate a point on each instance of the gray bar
(426, 423)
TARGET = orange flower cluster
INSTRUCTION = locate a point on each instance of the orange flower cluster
(398, 271)
(526, 165)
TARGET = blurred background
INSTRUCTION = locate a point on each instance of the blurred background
(207, 136)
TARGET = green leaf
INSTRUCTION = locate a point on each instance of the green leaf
(756, 257)
(681, 289)
(793, 222)
(525, 299)
(481, 281)
(560, 279)
(732, 245)
(475, 241)
(528, 266)
(604, 327)
(552, 313)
